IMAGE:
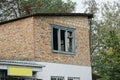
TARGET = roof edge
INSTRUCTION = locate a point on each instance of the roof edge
(21, 63)
(63, 14)
(50, 14)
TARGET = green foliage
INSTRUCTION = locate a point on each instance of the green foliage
(105, 40)
(108, 60)
(110, 15)
(47, 6)
(17, 8)
(92, 7)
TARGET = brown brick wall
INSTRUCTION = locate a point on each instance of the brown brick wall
(16, 40)
(43, 43)
(30, 39)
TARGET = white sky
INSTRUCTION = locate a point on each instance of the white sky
(79, 5)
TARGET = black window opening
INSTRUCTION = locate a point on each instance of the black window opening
(57, 78)
(55, 38)
(73, 78)
(63, 39)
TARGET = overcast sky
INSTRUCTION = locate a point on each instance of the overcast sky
(79, 5)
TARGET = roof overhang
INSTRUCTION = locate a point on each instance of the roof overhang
(63, 14)
(50, 14)
(5, 64)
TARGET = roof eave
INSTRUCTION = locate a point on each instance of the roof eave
(21, 63)
(50, 14)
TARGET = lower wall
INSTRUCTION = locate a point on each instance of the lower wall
(52, 69)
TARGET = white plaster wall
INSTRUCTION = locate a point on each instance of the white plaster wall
(53, 69)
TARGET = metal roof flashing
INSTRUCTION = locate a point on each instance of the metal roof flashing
(21, 63)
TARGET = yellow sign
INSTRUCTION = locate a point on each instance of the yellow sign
(16, 71)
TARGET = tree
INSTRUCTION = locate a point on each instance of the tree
(104, 31)
(10, 9)
(109, 68)
(92, 7)
(107, 62)
(48, 6)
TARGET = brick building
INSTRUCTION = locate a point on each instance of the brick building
(50, 46)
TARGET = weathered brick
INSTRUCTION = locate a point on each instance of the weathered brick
(30, 39)
(16, 40)
(43, 48)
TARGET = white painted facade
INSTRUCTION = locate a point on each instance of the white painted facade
(64, 70)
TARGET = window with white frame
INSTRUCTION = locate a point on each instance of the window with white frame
(73, 78)
(57, 78)
(63, 39)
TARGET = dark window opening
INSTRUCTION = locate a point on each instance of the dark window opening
(3, 73)
(55, 39)
(57, 78)
(62, 33)
(73, 78)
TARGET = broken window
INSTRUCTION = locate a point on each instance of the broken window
(62, 36)
(69, 41)
(63, 39)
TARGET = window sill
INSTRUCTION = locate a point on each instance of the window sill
(63, 52)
